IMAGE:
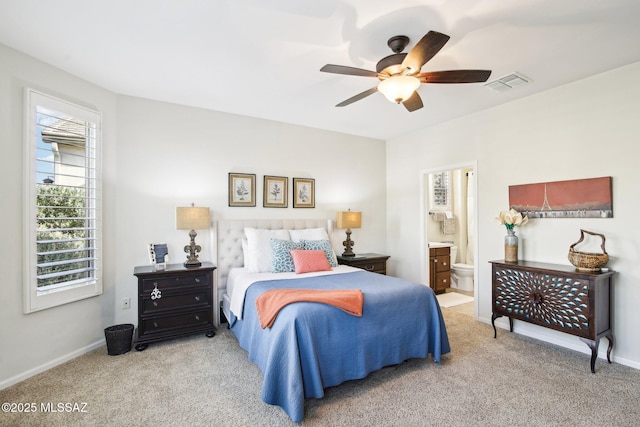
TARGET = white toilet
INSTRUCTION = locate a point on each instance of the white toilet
(461, 274)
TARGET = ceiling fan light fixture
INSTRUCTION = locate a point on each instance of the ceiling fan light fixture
(398, 88)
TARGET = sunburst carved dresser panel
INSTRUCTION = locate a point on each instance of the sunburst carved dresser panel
(554, 296)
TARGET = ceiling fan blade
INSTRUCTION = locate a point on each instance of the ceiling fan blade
(424, 50)
(350, 71)
(455, 76)
(358, 97)
(413, 103)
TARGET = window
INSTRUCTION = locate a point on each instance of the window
(62, 202)
(440, 192)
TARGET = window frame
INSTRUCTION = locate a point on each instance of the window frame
(37, 299)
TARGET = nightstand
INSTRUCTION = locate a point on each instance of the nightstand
(375, 263)
(174, 302)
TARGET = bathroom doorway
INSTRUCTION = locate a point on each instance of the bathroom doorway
(449, 218)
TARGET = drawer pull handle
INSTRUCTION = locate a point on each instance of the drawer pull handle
(198, 298)
(155, 324)
(197, 317)
(444, 263)
(197, 280)
(155, 293)
(155, 304)
(444, 280)
(368, 267)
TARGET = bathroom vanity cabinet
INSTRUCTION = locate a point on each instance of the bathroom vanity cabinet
(557, 297)
(439, 269)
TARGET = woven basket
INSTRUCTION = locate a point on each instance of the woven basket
(588, 261)
(118, 338)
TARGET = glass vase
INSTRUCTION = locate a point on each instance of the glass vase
(511, 246)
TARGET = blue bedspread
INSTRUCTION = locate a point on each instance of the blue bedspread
(312, 346)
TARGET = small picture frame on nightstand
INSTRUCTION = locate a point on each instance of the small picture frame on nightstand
(158, 255)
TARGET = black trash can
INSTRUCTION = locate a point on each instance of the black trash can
(119, 338)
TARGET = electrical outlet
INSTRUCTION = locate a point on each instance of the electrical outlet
(126, 303)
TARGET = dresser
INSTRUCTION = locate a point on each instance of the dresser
(375, 263)
(440, 269)
(557, 297)
(174, 302)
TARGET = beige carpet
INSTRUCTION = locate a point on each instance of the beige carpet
(451, 299)
(196, 381)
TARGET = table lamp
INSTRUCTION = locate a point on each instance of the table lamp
(348, 220)
(192, 218)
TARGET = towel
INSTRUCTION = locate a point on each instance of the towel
(272, 301)
(448, 226)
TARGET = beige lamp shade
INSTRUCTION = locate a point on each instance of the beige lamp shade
(348, 219)
(192, 218)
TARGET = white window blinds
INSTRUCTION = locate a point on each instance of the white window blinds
(441, 189)
(64, 203)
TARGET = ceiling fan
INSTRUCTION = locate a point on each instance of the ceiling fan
(400, 75)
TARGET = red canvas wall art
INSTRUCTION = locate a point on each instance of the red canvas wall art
(580, 198)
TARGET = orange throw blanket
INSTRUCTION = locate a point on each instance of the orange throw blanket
(272, 301)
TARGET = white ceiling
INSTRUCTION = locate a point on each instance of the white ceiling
(261, 58)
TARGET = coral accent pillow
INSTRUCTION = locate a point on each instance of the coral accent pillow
(310, 261)
(325, 245)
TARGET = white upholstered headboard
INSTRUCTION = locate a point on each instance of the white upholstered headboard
(228, 235)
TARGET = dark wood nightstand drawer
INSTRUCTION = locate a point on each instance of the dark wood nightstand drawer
(376, 267)
(172, 282)
(374, 263)
(162, 324)
(170, 302)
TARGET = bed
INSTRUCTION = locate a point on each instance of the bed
(311, 346)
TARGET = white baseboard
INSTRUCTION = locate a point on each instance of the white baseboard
(51, 364)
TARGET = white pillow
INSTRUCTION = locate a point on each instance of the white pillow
(258, 257)
(309, 234)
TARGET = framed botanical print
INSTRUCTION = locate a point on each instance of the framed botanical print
(242, 189)
(275, 192)
(304, 193)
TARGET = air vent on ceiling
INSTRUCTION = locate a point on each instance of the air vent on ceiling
(507, 82)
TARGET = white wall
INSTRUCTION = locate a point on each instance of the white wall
(172, 155)
(589, 128)
(34, 342)
(158, 156)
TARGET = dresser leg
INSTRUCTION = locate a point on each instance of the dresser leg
(593, 345)
(610, 338)
(493, 319)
